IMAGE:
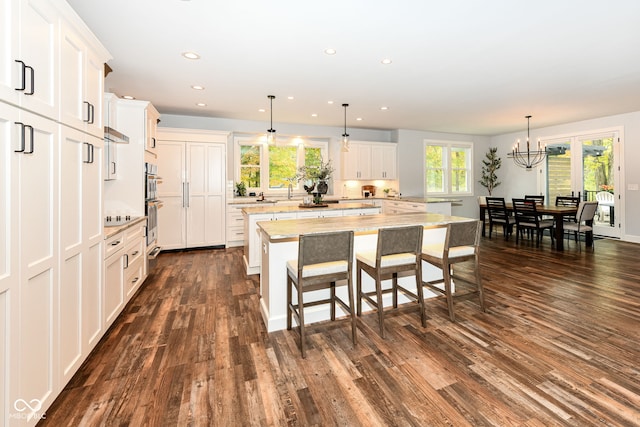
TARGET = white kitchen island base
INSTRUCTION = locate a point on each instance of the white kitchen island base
(280, 244)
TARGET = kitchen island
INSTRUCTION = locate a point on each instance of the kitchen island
(277, 212)
(280, 244)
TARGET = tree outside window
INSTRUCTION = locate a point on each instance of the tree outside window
(448, 168)
(250, 165)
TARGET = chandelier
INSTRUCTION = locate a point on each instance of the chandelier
(271, 132)
(530, 158)
(345, 135)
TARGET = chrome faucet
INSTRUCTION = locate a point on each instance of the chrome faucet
(289, 191)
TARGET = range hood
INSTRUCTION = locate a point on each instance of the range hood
(113, 135)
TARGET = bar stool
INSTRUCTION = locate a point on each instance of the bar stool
(323, 259)
(398, 250)
(461, 244)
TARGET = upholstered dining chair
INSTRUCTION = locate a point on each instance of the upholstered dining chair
(323, 260)
(568, 201)
(584, 217)
(528, 219)
(461, 244)
(498, 215)
(398, 250)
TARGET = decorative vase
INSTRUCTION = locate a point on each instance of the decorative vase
(322, 186)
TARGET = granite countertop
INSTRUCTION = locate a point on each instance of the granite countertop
(292, 228)
(424, 199)
(410, 199)
(279, 208)
(113, 230)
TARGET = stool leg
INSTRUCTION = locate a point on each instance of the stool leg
(394, 282)
(447, 289)
(352, 311)
(333, 300)
(379, 299)
(479, 284)
(359, 288)
(420, 292)
(301, 318)
(289, 286)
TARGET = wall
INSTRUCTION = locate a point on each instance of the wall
(516, 181)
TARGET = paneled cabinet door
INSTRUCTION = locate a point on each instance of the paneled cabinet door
(356, 163)
(9, 274)
(37, 184)
(172, 191)
(38, 47)
(9, 69)
(152, 117)
(383, 161)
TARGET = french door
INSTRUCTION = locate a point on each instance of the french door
(588, 166)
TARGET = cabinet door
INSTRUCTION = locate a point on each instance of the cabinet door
(38, 218)
(9, 70)
(172, 192)
(72, 59)
(93, 91)
(113, 298)
(152, 126)
(383, 161)
(38, 44)
(9, 276)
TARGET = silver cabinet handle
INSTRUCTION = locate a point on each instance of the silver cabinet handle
(188, 204)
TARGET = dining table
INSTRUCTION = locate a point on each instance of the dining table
(558, 213)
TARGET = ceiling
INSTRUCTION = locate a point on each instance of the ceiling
(462, 66)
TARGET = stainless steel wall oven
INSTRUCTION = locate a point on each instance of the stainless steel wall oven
(152, 204)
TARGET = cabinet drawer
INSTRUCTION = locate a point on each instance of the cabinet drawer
(134, 251)
(113, 244)
(133, 276)
(134, 232)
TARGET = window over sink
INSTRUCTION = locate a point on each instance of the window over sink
(270, 168)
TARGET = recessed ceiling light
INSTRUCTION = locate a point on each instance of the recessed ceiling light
(329, 102)
(201, 104)
(386, 61)
(128, 97)
(384, 108)
(290, 98)
(330, 51)
(196, 87)
(261, 110)
(191, 55)
(314, 115)
(359, 119)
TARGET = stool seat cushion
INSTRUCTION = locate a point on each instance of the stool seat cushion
(436, 250)
(317, 269)
(369, 258)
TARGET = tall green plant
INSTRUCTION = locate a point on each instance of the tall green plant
(489, 167)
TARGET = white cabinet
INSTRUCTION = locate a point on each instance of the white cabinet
(113, 288)
(80, 247)
(356, 163)
(81, 82)
(369, 160)
(235, 225)
(384, 161)
(152, 116)
(134, 263)
(252, 245)
(401, 206)
(28, 55)
(192, 166)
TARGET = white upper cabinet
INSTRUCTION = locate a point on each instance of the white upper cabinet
(81, 81)
(28, 55)
(152, 117)
(370, 160)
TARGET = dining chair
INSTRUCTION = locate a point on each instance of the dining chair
(323, 260)
(538, 198)
(398, 250)
(568, 201)
(461, 244)
(527, 218)
(498, 214)
(584, 217)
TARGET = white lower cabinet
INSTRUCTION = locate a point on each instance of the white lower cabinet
(113, 288)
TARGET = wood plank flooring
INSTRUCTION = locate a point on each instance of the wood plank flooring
(558, 346)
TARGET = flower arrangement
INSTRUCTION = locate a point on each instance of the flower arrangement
(315, 173)
(605, 187)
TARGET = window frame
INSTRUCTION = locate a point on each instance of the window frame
(301, 143)
(447, 167)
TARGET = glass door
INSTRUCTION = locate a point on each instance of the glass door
(586, 166)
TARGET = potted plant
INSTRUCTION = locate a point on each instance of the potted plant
(490, 165)
(241, 189)
(317, 177)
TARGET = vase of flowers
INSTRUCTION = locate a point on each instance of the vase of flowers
(316, 178)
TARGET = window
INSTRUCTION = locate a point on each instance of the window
(272, 167)
(448, 167)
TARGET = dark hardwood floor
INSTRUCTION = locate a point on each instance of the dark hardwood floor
(559, 345)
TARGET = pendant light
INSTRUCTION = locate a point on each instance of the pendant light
(345, 135)
(532, 157)
(271, 132)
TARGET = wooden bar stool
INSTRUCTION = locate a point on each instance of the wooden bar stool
(323, 259)
(398, 251)
(461, 244)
